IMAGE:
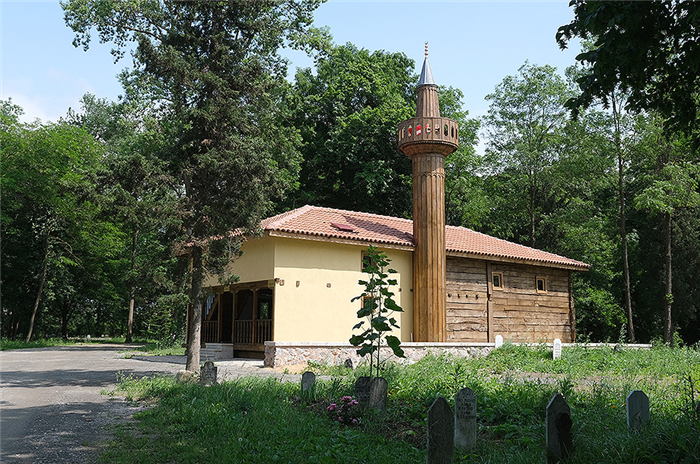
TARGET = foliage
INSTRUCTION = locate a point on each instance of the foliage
(647, 48)
(262, 420)
(140, 197)
(215, 71)
(525, 126)
(55, 244)
(346, 111)
(6, 344)
(378, 306)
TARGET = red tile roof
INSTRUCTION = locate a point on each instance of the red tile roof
(372, 228)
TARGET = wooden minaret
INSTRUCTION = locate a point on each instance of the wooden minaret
(427, 139)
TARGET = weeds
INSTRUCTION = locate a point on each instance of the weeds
(261, 421)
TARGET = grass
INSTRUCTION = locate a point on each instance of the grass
(156, 349)
(150, 347)
(6, 344)
(261, 421)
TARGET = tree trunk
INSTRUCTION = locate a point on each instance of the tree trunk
(532, 219)
(623, 220)
(195, 320)
(65, 314)
(40, 290)
(132, 288)
(668, 300)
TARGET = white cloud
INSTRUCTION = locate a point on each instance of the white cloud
(40, 107)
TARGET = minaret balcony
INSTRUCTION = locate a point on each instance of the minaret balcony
(425, 134)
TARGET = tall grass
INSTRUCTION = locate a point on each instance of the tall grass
(255, 420)
(6, 344)
(247, 420)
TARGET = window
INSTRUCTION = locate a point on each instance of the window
(366, 261)
(541, 284)
(497, 279)
(343, 227)
(369, 302)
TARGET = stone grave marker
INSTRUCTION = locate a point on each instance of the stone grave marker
(637, 410)
(377, 394)
(441, 432)
(556, 353)
(207, 374)
(465, 419)
(308, 381)
(558, 429)
(362, 388)
(499, 341)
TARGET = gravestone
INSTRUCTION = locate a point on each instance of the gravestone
(499, 341)
(441, 432)
(558, 429)
(348, 364)
(362, 388)
(308, 380)
(377, 394)
(637, 410)
(556, 354)
(207, 374)
(465, 419)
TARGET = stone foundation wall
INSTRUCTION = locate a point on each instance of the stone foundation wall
(280, 354)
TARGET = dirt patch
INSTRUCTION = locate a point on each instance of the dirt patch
(73, 432)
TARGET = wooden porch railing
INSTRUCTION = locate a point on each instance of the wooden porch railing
(210, 331)
(252, 332)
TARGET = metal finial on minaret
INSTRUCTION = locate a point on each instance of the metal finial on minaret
(427, 139)
(426, 74)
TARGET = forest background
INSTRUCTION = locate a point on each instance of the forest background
(210, 136)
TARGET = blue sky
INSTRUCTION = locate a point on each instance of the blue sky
(473, 46)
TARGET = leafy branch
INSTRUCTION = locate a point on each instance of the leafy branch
(377, 309)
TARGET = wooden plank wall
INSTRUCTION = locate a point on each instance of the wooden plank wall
(518, 312)
(467, 318)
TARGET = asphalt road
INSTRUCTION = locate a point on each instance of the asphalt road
(51, 406)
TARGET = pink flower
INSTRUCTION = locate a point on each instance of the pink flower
(332, 407)
(346, 398)
(340, 419)
(355, 422)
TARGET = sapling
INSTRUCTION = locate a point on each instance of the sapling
(378, 306)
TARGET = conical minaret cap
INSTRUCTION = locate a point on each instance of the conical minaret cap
(426, 74)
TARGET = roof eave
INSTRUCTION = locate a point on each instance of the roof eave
(508, 259)
(341, 240)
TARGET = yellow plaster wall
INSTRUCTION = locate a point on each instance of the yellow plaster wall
(314, 312)
(256, 262)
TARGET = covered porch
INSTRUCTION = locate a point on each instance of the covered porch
(238, 318)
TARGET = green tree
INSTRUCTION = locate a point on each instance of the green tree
(465, 199)
(647, 49)
(347, 112)
(215, 71)
(50, 217)
(138, 192)
(670, 182)
(525, 126)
